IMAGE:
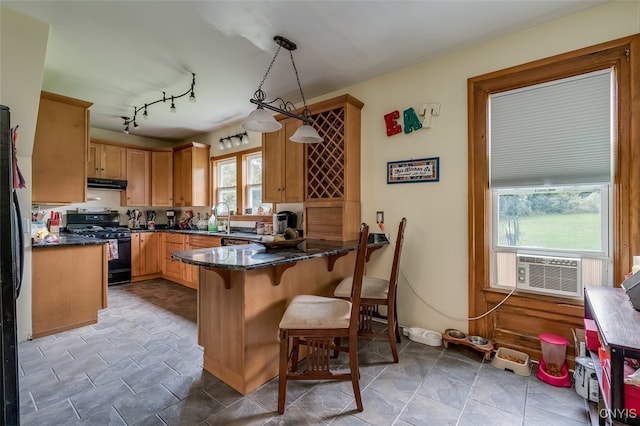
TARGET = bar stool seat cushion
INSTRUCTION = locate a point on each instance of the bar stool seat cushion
(310, 312)
(372, 288)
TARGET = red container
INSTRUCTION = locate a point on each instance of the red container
(591, 335)
(632, 398)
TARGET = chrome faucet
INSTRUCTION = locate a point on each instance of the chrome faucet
(215, 211)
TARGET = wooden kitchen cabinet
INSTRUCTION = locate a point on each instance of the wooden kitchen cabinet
(60, 148)
(69, 286)
(196, 242)
(162, 178)
(283, 165)
(107, 161)
(332, 171)
(145, 255)
(191, 175)
(172, 269)
(138, 178)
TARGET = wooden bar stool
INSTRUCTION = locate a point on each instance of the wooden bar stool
(378, 292)
(318, 322)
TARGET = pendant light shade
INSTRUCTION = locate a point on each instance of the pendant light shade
(258, 120)
(261, 121)
(306, 134)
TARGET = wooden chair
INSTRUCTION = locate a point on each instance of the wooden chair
(317, 322)
(378, 292)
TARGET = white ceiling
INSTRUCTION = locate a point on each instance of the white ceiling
(121, 54)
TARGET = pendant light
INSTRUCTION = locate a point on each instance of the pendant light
(263, 121)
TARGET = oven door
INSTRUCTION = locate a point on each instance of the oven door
(120, 268)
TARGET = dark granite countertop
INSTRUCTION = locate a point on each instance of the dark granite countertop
(234, 234)
(68, 240)
(252, 256)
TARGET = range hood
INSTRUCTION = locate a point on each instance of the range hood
(101, 183)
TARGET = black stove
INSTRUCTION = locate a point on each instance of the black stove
(105, 233)
(105, 225)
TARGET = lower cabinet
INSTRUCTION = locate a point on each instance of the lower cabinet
(172, 269)
(69, 286)
(176, 271)
(198, 242)
(145, 255)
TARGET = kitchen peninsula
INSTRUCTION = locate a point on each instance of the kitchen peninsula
(242, 295)
(69, 283)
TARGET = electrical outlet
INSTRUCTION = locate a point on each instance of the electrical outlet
(380, 217)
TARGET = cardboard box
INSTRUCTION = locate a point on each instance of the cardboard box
(591, 335)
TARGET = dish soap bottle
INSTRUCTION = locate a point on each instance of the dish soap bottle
(213, 224)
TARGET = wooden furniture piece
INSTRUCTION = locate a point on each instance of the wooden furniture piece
(162, 178)
(176, 271)
(69, 287)
(242, 295)
(60, 147)
(618, 324)
(191, 175)
(318, 323)
(195, 242)
(480, 344)
(145, 255)
(172, 269)
(283, 165)
(106, 161)
(138, 192)
(332, 170)
(378, 292)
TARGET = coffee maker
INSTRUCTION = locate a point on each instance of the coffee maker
(284, 220)
(171, 218)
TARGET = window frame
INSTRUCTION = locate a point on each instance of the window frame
(217, 188)
(241, 170)
(623, 55)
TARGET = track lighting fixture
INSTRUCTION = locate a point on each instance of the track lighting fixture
(233, 140)
(262, 121)
(165, 98)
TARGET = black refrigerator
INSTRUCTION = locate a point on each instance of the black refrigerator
(11, 269)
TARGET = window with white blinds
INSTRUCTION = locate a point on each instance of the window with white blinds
(555, 133)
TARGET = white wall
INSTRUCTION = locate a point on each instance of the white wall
(21, 71)
(435, 255)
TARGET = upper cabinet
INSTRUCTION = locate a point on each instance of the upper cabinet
(332, 171)
(60, 149)
(191, 175)
(162, 178)
(138, 178)
(333, 166)
(283, 165)
(106, 161)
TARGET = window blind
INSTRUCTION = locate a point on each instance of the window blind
(554, 133)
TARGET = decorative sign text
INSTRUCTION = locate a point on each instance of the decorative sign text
(410, 171)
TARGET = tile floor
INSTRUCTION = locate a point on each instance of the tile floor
(140, 365)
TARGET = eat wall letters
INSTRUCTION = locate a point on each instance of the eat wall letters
(410, 119)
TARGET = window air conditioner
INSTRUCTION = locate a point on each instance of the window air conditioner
(549, 274)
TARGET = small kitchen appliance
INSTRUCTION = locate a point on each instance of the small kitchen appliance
(279, 223)
(553, 367)
(284, 220)
(291, 218)
(171, 218)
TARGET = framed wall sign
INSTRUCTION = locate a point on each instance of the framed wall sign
(411, 171)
